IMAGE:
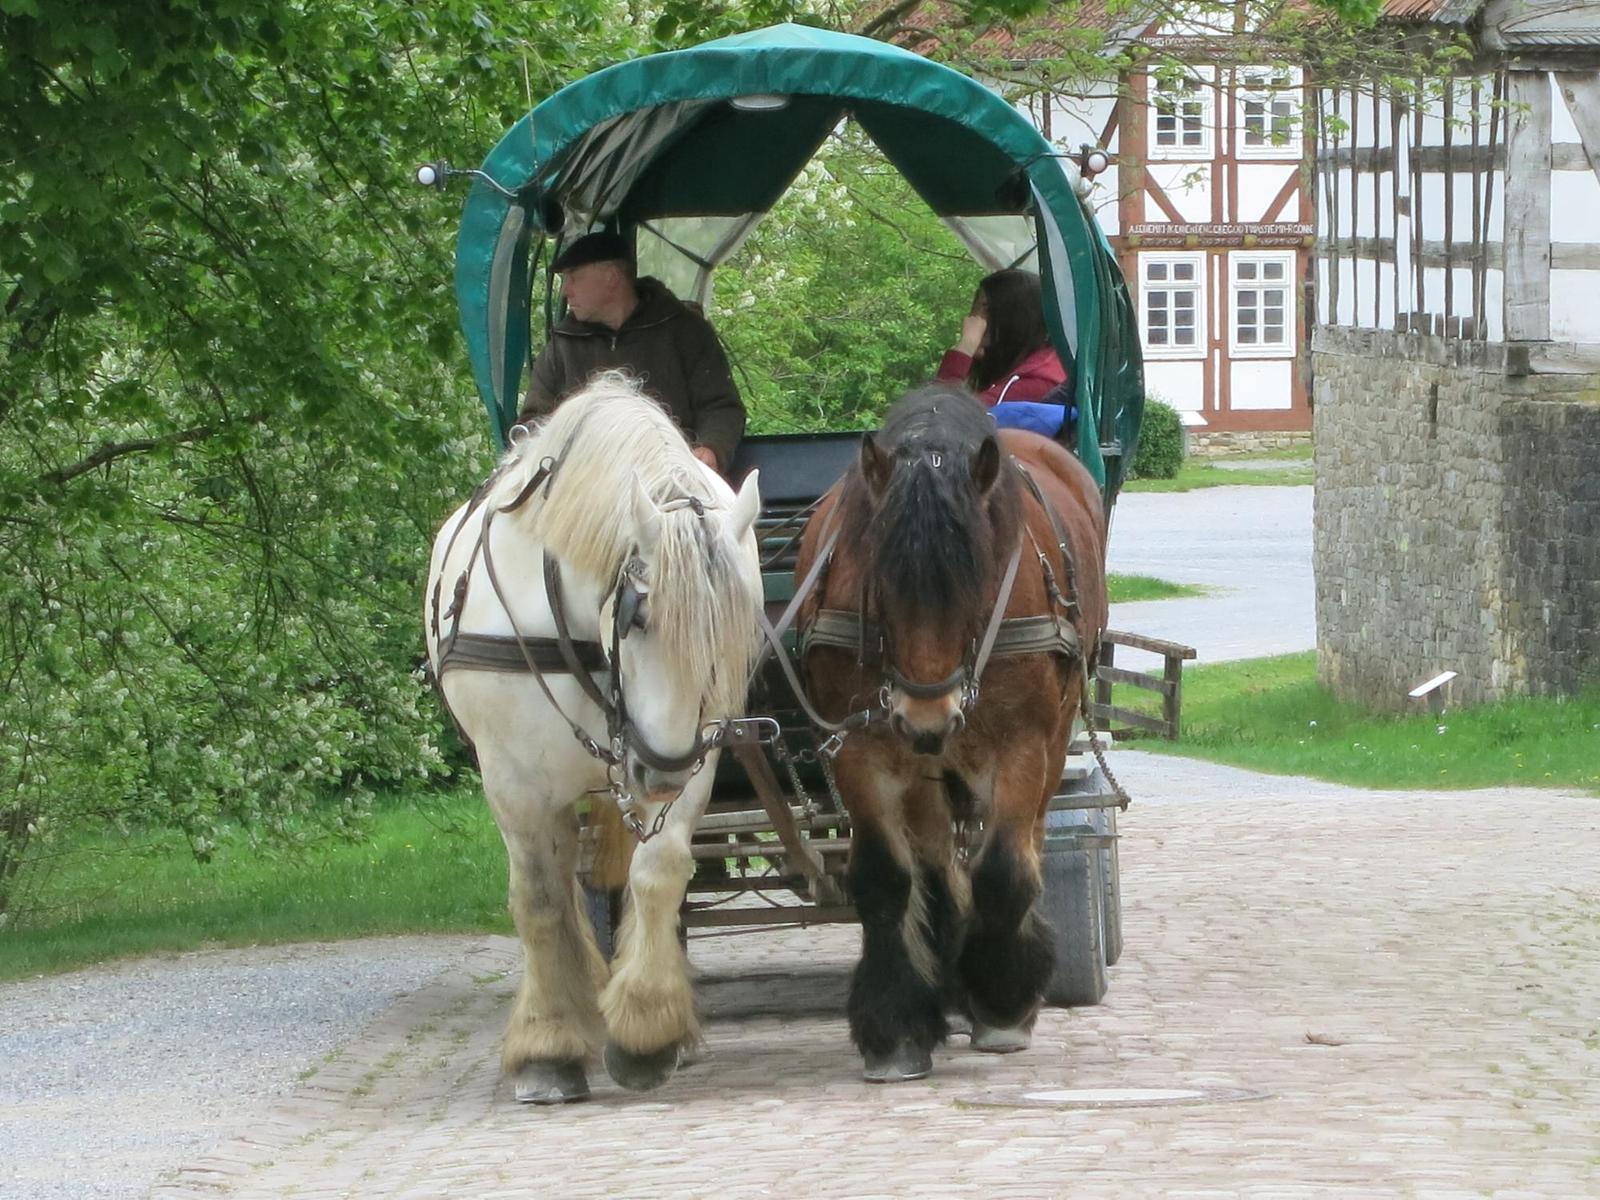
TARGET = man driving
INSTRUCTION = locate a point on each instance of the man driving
(617, 320)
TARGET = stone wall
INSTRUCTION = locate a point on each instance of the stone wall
(1457, 520)
(1213, 443)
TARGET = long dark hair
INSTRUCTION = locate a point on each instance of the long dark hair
(1014, 302)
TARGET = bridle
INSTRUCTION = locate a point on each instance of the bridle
(630, 612)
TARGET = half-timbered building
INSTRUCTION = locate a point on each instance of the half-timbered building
(1207, 205)
(1456, 361)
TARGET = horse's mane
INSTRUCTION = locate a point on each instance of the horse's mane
(933, 552)
(607, 441)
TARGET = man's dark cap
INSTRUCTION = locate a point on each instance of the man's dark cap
(593, 248)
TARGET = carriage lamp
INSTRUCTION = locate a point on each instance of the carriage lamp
(1092, 160)
(437, 174)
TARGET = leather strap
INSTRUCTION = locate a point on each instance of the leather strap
(495, 652)
(564, 643)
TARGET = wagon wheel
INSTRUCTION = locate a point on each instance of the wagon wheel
(1071, 904)
(604, 906)
(1110, 885)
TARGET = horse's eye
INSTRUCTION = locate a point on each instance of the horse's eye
(641, 612)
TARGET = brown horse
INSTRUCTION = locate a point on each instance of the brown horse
(942, 528)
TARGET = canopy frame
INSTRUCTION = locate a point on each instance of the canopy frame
(652, 139)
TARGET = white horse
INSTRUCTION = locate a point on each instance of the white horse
(659, 586)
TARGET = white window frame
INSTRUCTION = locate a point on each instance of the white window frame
(1269, 86)
(1196, 259)
(1200, 91)
(1288, 259)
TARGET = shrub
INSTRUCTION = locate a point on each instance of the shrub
(1160, 452)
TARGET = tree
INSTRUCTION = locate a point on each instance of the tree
(820, 344)
(231, 405)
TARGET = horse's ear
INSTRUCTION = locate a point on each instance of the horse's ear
(646, 516)
(876, 466)
(986, 464)
(746, 506)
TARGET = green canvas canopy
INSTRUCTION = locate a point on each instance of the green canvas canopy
(689, 149)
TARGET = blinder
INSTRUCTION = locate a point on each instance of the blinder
(633, 599)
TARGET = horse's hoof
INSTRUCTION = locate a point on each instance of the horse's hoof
(691, 1054)
(989, 1040)
(552, 1081)
(905, 1062)
(641, 1072)
(960, 1025)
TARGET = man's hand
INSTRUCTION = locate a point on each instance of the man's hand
(705, 455)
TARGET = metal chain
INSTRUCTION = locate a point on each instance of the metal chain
(780, 749)
(1123, 799)
(833, 785)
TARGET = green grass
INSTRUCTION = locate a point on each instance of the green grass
(438, 869)
(1270, 714)
(1199, 474)
(1123, 588)
(1204, 472)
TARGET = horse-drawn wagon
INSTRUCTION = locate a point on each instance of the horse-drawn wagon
(684, 153)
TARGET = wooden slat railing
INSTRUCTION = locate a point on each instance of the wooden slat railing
(1168, 685)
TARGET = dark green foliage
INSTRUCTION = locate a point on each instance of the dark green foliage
(1160, 442)
(232, 403)
(845, 296)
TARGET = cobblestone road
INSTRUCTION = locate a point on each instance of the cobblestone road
(1413, 980)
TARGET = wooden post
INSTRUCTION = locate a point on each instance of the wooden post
(1172, 699)
(1581, 90)
(1102, 685)
(1527, 222)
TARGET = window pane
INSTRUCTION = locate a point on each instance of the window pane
(1271, 269)
(1183, 270)
(1255, 123)
(1244, 268)
(1282, 121)
(1155, 270)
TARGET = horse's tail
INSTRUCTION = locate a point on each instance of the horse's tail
(613, 845)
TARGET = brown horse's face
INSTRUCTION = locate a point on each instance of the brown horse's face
(930, 637)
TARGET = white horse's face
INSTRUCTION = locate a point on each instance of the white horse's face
(665, 691)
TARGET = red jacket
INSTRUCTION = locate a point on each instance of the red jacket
(1030, 379)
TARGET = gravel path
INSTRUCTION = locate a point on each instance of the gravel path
(112, 1075)
(1359, 995)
